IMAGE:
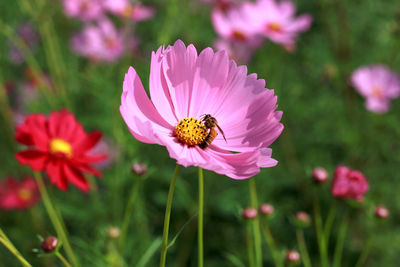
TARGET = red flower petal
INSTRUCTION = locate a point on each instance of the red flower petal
(53, 170)
(75, 177)
(88, 142)
(34, 158)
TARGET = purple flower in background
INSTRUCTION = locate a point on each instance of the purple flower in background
(99, 42)
(240, 53)
(29, 37)
(378, 85)
(83, 9)
(276, 21)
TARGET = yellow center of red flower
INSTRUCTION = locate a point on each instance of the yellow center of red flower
(58, 145)
(24, 194)
(275, 27)
(190, 131)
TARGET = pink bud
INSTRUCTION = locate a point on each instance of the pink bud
(320, 175)
(249, 213)
(266, 209)
(381, 212)
(139, 168)
(292, 256)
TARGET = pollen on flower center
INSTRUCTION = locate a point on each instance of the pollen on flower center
(377, 92)
(24, 194)
(59, 145)
(274, 27)
(190, 131)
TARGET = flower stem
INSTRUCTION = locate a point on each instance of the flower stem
(6, 113)
(200, 219)
(364, 253)
(329, 222)
(7, 243)
(340, 242)
(256, 223)
(128, 212)
(305, 258)
(164, 243)
(250, 243)
(271, 244)
(63, 259)
(320, 233)
(55, 218)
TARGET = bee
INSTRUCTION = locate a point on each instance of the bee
(210, 123)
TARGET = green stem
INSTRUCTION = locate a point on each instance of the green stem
(271, 244)
(128, 212)
(340, 242)
(250, 243)
(329, 222)
(320, 233)
(256, 223)
(7, 243)
(63, 259)
(6, 113)
(364, 253)
(305, 258)
(164, 244)
(200, 219)
(55, 218)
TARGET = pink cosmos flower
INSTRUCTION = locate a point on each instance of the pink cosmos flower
(277, 21)
(125, 8)
(101, 42)
(348, 183)
(378, 85)
(184, 86)
(233, 24)
(83, 9)
(238, 52)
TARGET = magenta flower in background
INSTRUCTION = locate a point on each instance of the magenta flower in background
(15, 194)
(84, 10)
(233, 24)
(29, 37)
(276, 21)
(348, 183)
(378, 85)
(99, 42)
(183, 87)
(222, 4)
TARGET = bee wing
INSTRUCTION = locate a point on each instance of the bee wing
(222, 132)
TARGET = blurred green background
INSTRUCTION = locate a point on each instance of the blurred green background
(325, 123)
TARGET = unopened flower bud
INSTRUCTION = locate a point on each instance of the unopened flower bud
(266, 209)
(139, 168)
(249, 213)
(292, 256)
(320, 175)
(49, 243)
(302, 219)
(381, 212)
(113, 232)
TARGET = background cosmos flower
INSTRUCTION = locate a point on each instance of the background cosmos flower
(60, 146)
(378, 85)
(16, 194)
(186, 85)
(348, 183)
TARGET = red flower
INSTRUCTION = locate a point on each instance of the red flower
(348, 183)
(60, 146)
(18, 195)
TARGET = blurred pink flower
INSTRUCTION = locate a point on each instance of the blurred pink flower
(348, 183)
(276, 21)
(240, 53)
(101, 42)
(222, 4)
(183, 87)
(16, 194)
(84, 10)
(29, 37)
(234, 25)
(125, 8)
(378, 85)
(106, 147)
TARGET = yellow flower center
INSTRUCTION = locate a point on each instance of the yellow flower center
(190, 131)
(275, 27)
(58, 145)
(24, 194)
